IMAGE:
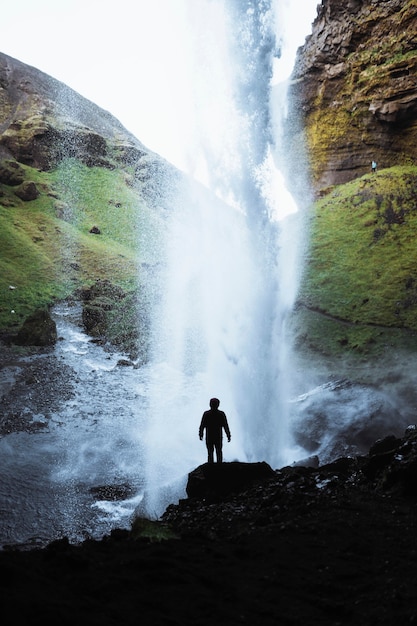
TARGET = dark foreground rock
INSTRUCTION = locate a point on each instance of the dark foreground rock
(216, 480)
(315, 546)
(38, 329)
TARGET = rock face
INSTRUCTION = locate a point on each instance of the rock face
(39, 329)
(389, 468)
(354, 88)
(216, 480)
(43, 121)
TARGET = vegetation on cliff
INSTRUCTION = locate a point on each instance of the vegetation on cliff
(354, 87)
(82, 204)
(354, 101)
(359, 291)
(48, 251)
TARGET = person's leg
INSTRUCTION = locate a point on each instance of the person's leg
(210, 450)
(219, 452)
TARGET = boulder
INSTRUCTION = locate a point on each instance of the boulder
(11, 173)
(216, 480)
(27, 191)
(94, 320)
(99, 300)
(392, 463)
(39, 329)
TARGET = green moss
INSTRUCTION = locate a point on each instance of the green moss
(361, 269)
(151, 530)
(47, 251)
(380, 67)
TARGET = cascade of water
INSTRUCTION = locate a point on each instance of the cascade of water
(230, 266)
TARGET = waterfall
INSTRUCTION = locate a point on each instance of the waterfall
(230, 266)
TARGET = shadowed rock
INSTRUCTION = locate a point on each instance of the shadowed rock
(216, 480)
(39, 329)
(27, 191)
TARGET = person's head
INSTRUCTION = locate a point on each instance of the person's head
(214, 403)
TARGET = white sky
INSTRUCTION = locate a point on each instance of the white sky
(127, 56)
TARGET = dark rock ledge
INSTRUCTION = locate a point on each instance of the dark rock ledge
(232, 498)
(332, 545)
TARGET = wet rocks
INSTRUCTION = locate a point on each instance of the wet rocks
(112, 492)
(39, 329)
(35, 387)
(389, 469)
(100, 299)
(216, 480)
(392, 463)
(112, 315)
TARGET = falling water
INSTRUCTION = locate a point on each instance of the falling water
(231, 265)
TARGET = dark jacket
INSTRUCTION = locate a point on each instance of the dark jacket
(213, 421)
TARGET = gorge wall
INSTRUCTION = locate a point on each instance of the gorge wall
(81, 200)
(355, 90)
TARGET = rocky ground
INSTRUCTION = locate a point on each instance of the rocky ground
(328, 545)
(31, 386)
(332, 544)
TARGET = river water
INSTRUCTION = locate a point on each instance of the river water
(76, 463)
(61, 478)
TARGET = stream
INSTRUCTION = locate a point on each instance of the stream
(74, 438)
(76, 469)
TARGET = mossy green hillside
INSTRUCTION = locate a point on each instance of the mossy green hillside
(361, 271)
(47, 251)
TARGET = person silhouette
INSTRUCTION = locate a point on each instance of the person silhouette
(213, 422)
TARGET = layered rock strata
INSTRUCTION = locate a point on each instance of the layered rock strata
(354, 89)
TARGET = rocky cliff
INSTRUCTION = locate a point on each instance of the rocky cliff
(354, 100)
(43, 122)
(81, 199)
(354, 86)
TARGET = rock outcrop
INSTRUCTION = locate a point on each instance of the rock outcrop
(42, 121)
(354, 89)
(389, 469)
(214, 481)
(39, 329)
(304, 547)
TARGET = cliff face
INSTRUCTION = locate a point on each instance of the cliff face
(354, 87)
(81, 199)
(43, 121)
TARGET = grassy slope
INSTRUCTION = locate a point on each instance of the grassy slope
(361, 272)
(359, 291)
(46, 248)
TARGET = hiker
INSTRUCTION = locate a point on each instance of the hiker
(374, 166)
(213, 422)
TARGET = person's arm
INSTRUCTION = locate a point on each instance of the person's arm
(227, 429)
(202, 427)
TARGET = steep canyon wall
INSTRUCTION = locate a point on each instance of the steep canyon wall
(354, 87)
